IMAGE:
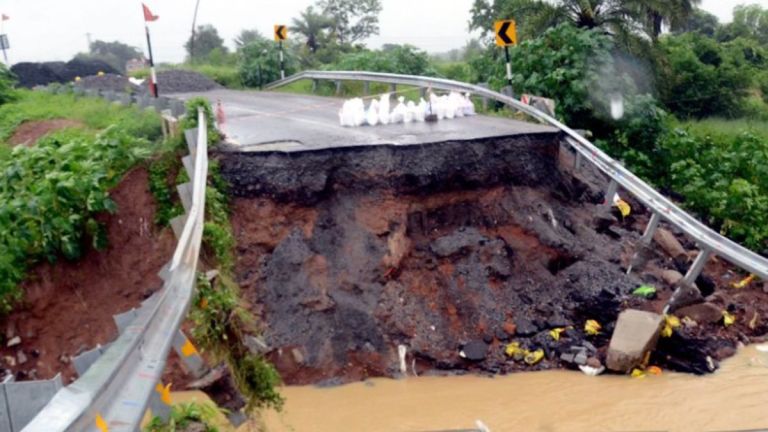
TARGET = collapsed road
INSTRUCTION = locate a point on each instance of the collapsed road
(452, 250)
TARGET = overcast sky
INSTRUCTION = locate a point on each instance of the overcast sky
(41, 30)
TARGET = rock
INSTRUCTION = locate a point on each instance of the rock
(21, 357)
(525, 327)
(685, 295)
(488, 339)
(702, 313)
(502, 334)
(459, 241)
(10, 361)
(635, 334)
(298, 356)
(765, 287)
(594, 362)
(16, 340)
(64, 359)
(671, 277)
(557, 321)
(669, 243)
(256, 344)
(567, 357)
(580, 358)
(475, 350)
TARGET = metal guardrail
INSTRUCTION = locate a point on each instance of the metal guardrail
(710, 242)
(114, 392)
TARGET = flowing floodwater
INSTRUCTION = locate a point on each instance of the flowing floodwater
(734, 398)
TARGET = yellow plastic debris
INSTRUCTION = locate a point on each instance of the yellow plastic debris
(671, 322)
(101, 425)
(512, 348)
(744, 282)
(533, 357)
(654, 370)
(555, 333)
(592, 327)
(624, 207)
(637, 373)
(728, 318)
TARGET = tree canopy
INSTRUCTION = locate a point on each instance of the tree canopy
(353, 20)
(204, 42)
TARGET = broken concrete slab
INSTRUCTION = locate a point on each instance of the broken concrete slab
(636, 333)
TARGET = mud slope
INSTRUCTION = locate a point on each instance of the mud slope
(350, 253)
(68, 306)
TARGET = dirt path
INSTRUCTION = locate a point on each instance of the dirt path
(29, 132)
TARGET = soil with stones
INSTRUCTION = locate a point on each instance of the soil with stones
(68, 306)
(29, 132)
(181, 81)
(452, 250)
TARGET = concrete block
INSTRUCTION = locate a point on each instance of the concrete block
(636, 333)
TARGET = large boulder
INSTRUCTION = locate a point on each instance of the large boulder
(635, 335)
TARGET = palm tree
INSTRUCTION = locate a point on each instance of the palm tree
(673, 13)
(311, 25)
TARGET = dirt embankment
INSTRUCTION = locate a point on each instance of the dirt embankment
(348, 254)
(68, 306)
(29, 132)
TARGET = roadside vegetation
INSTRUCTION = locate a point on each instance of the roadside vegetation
(52, 192)
(195, 416)
(221, 321)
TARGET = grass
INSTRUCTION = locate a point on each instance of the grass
(96, 114)
(726, 128)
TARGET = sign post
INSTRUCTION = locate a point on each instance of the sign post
(148, 18)
(4, 45)
(281, 34)
(506, 36)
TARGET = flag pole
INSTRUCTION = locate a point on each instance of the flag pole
(153, 76)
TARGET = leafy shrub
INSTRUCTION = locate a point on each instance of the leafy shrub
(161, 172)
(699, 77)
(49, 196)
(190, 120)
(260, 63)
(399, 59)
(183, 415)
(7, 81)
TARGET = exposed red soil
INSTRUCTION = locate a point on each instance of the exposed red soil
(68, 306)
(30, 131)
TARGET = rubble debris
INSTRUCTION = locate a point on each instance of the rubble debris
(475, 350)
(669, 244)
(16, 340)
(182, 81)
(635, 335)
(702, 313)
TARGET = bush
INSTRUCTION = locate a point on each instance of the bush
(699, 77)
(190, 119)
(398, 59)
(7, 80)
(260, 63)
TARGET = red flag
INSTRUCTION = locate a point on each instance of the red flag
(6, 17)
(148, 17)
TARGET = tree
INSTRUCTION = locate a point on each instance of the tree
(669, 12)
(260, 63)
(116, 54)
(400, 59)
(206, 39)
(311, 25)
(353, 20)
(749, 21)
(247, 36)
(699, 21)
(618, 17)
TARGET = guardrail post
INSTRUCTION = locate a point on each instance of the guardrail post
(160, 402)
(366, 88)
(613, 187)
(393, 88)
(697, 266)
(338, 88)
(577, 161)
(314, 86)
(484, 99)
(650, 230)
(423, 92)
(189, 355)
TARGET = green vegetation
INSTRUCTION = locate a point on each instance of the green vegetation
(95, 114)
(185, 415)
(50, 195)
(7, 94)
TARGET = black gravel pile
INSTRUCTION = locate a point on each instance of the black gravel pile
(181, 81)
(108, 82)
(35, 74)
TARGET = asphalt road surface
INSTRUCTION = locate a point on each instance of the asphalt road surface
(269, 121)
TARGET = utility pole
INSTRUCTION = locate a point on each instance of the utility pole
(192, 40)
(4, 45)
(90, 41)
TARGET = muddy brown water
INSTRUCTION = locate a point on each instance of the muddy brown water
(734, 398)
